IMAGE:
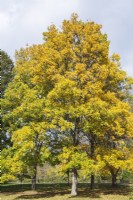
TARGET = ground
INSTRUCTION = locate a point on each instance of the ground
(62, 192)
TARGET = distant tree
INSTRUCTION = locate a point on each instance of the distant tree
(6, 67)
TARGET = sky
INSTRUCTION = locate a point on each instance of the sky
(22, 22)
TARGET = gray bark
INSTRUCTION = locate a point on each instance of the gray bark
(74, 183)
(92, 141)
(74, 170)
(33, 186)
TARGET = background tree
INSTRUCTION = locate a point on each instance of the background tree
(28, 125)
(6, 68)
(31, 149)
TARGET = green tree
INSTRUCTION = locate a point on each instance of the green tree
(6, 67)
(27, 124)
(6, 70)
(30, 148)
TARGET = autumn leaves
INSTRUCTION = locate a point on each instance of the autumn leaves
(68, 101)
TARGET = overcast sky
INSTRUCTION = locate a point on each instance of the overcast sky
(23, 21)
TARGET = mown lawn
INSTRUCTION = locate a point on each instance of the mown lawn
(62, 192)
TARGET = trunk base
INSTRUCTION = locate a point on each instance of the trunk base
(33, 186)
(92, 181)
(114, 181)
(74, 183)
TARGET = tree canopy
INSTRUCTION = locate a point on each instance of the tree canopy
(69, 99)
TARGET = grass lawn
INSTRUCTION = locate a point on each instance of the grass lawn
(62, 192)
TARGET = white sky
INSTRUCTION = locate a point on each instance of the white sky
(23, 21)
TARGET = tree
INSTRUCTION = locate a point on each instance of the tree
(87, 80)
(31, 148)
(26, 122)
(6, 167)
(6, 70)
(70, 87)
(6, 77)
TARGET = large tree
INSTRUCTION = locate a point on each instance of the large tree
(77, 88)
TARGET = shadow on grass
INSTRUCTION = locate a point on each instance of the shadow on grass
(42, 195)
(51, 190)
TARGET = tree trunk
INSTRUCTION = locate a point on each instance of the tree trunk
(21, 179)
(75, 137)
(99, 180)
(33, 186)
(68, 181)
(74, 182)
(92, 142)
(122, 178)
(114, 180)
(92, 181)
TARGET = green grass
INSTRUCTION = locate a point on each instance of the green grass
(62, 192)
